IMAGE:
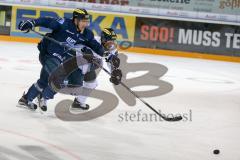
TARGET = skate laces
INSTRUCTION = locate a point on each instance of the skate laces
(43, 102)
(31, 104)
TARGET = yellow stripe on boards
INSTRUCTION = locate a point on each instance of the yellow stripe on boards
(19, 39)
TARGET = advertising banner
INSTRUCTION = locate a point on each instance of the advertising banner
(5, 20)
(215, 10)
(112, 2)
(187, 36)
(122, 24)
(153, 33)
(210, 6)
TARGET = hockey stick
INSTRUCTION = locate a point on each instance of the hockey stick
(170, 119)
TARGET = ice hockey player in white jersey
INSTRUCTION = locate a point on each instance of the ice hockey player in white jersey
(108, 41)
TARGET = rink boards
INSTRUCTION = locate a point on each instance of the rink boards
(140, 34)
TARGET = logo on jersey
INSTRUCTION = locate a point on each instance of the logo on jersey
(70, 41)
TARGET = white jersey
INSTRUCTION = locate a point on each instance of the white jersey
(85, 67)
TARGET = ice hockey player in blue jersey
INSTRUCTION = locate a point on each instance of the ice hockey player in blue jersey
(69, 31)
(87, 78)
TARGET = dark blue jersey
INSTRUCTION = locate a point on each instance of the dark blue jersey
(64, 30)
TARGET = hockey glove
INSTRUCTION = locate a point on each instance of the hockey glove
(26, 25)
(112, 58)
(114, 62)
(116, 76)
(87, 54)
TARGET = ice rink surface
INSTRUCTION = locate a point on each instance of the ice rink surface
(208, 92)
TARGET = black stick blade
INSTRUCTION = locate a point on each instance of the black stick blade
(173, 119)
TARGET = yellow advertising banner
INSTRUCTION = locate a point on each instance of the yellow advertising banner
(123, 25)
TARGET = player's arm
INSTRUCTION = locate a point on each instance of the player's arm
(95, 45)
(47, 22)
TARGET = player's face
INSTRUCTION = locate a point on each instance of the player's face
(110, 45)
(82, 24)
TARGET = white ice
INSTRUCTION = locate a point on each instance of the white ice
(210, 90)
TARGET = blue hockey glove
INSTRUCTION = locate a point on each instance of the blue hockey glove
(26, 25)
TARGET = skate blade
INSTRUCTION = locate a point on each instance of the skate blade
(77, 110)
(25, 107)
(41, 111)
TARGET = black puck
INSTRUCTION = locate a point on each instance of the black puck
(216, 151)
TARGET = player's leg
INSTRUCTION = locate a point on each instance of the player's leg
(47, 92)
(34, 91)
(36, 88)
(76, 79)
(90, 82)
